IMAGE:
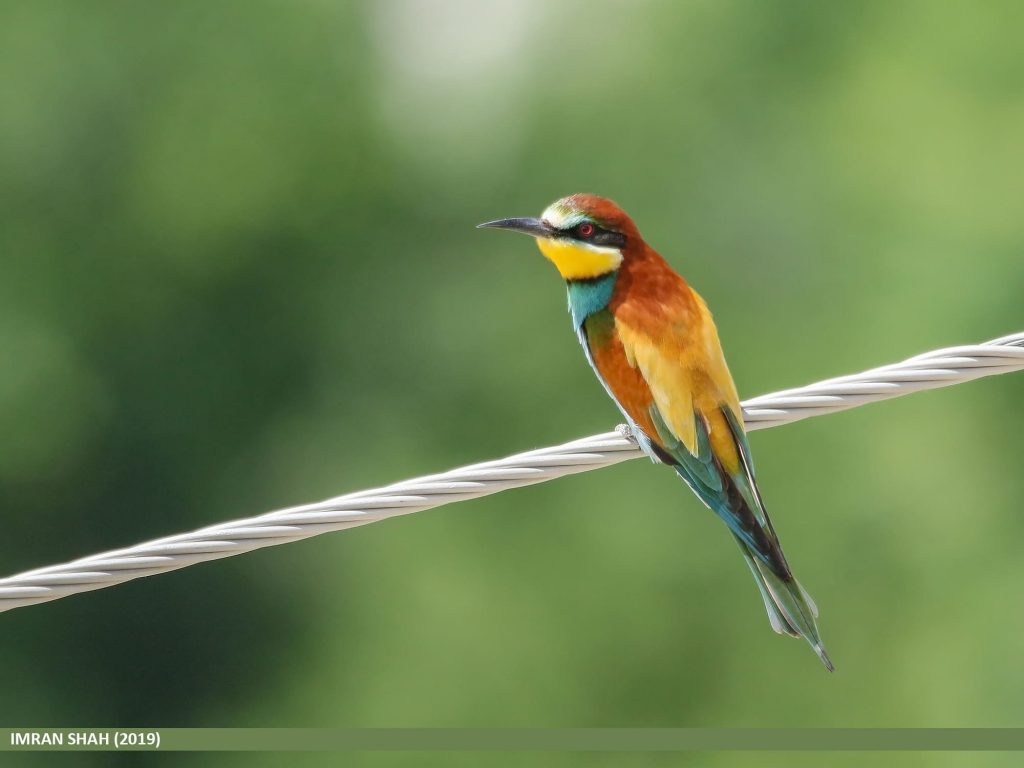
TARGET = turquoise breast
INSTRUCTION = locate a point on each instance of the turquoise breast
(587, 297)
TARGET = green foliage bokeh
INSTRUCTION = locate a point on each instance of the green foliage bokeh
(238, 271)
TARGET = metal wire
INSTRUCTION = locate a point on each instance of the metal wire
(931, 370)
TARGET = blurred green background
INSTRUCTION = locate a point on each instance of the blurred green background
(238, 271)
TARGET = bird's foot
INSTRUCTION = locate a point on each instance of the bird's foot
(633, 433)
(627, 431)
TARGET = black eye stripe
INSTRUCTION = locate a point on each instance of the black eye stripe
(598, 235)
(608, 238)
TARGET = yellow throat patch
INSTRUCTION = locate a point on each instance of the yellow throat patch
(578, 261)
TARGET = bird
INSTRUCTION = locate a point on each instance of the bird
(651, 340)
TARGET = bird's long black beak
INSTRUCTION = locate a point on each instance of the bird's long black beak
(532, 227)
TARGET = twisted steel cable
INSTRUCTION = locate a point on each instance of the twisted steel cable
(930, 370)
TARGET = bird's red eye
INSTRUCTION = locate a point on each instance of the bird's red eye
(585, 229)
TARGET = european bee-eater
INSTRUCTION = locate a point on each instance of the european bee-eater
(653, 345)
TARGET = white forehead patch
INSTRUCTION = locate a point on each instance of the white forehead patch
(562, 216)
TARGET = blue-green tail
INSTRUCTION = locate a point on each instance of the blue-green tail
(791, 610)
(734, 497)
